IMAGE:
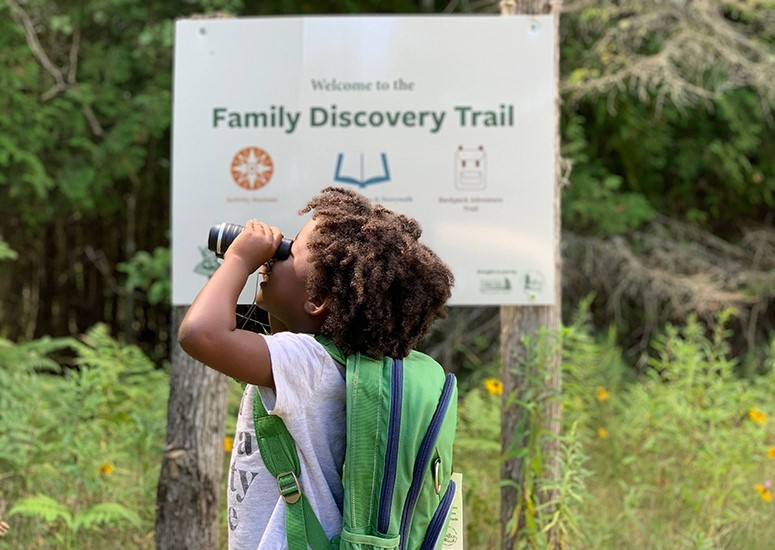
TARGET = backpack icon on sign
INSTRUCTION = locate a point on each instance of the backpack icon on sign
(470, 169)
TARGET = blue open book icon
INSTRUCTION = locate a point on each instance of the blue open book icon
(360, 169)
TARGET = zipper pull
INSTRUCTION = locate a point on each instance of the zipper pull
(437, 475)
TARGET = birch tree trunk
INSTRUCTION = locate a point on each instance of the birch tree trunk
(191, 480)
(518, 322)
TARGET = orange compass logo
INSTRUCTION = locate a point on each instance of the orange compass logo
(252, 168)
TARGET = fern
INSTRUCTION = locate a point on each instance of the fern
(43, 507)
(51, 512)
(103, 422)
(105, 513)
(34, 355)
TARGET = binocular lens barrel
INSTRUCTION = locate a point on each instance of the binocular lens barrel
(222, 235)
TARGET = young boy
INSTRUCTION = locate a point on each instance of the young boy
(356, 274)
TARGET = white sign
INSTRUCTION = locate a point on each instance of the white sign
(456, 528)
(446, 119)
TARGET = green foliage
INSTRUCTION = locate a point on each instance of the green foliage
(22, 359)
(19, 365)
(590, 363)
(44, 507)
(545, 500)
(595, 201)
(80, 453)
(707, 156)
(149, 273)
(676, 455)
(477, 457)
(6, 252)
(88, 519)
(84, 158)
(708, 166)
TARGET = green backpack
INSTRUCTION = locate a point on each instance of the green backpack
(401, 421)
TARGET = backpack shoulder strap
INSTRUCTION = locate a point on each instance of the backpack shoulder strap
(278, 451)
(332, 349)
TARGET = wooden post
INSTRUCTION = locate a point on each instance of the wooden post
(191, 480)
(518, 322)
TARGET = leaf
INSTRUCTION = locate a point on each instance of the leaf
(105, 513)
(41, 506)
(6, 252)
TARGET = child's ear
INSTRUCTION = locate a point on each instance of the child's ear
(316, 306)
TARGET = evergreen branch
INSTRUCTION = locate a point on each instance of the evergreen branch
(686, 52)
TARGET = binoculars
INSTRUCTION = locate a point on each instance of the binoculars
(222, 235)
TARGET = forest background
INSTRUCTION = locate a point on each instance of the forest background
(668, 205)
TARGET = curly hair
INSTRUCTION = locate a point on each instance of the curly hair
(384, 288)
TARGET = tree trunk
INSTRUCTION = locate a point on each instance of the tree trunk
(190, 484)
(519, 378)
(518, 322)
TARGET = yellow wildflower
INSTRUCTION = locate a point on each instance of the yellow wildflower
(602, 433)
(757, 416)
(228, 444)
(764, 492)
(771, 452)
(602, 394)
(106, 469)
(493, 386)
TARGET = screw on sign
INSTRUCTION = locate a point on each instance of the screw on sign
(252, 168)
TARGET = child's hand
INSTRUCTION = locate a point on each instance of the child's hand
(255, 245)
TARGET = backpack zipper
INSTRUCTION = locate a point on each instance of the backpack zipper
(391, 447)
(424, 455)
(439, 518)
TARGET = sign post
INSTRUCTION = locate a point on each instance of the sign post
(518, 323)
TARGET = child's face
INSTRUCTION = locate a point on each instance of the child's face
(283, 291)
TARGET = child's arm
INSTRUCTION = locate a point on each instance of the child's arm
(208, 331)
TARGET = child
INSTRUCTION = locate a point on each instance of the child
(357, 274)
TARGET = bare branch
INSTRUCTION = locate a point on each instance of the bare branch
(60, 84)
(72, 70)
(91, 118)
(23, 19)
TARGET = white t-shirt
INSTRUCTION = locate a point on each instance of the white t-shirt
(310, 398)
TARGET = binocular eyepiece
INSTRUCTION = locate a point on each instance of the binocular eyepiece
(222, 235)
